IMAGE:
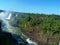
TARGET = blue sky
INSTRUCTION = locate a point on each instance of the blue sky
(31, 6)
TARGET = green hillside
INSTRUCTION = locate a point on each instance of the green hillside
(41, 27)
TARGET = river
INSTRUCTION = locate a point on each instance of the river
(15, 31)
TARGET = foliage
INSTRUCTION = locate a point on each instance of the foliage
(48, 24)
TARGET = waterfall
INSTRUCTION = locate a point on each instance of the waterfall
(9, 16)
(5, 17)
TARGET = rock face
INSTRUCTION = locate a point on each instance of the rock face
(6, 39)
(10, 39)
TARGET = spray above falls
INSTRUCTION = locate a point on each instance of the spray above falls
(5, 15)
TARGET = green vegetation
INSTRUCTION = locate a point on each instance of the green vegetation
(49, 25)
(52, 42)
(39, 27)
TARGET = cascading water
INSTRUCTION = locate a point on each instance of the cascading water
(6, 27)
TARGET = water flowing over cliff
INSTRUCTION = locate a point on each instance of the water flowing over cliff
(7, 17)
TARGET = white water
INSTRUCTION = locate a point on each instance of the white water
(13, 30)
(9, 16)
(9, 28)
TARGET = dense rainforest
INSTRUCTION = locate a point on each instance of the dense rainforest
(42, 28)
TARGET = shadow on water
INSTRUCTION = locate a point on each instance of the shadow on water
(10, 39)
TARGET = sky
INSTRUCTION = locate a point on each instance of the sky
(32, 6)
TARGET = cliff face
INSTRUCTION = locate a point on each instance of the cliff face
(6, 39)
